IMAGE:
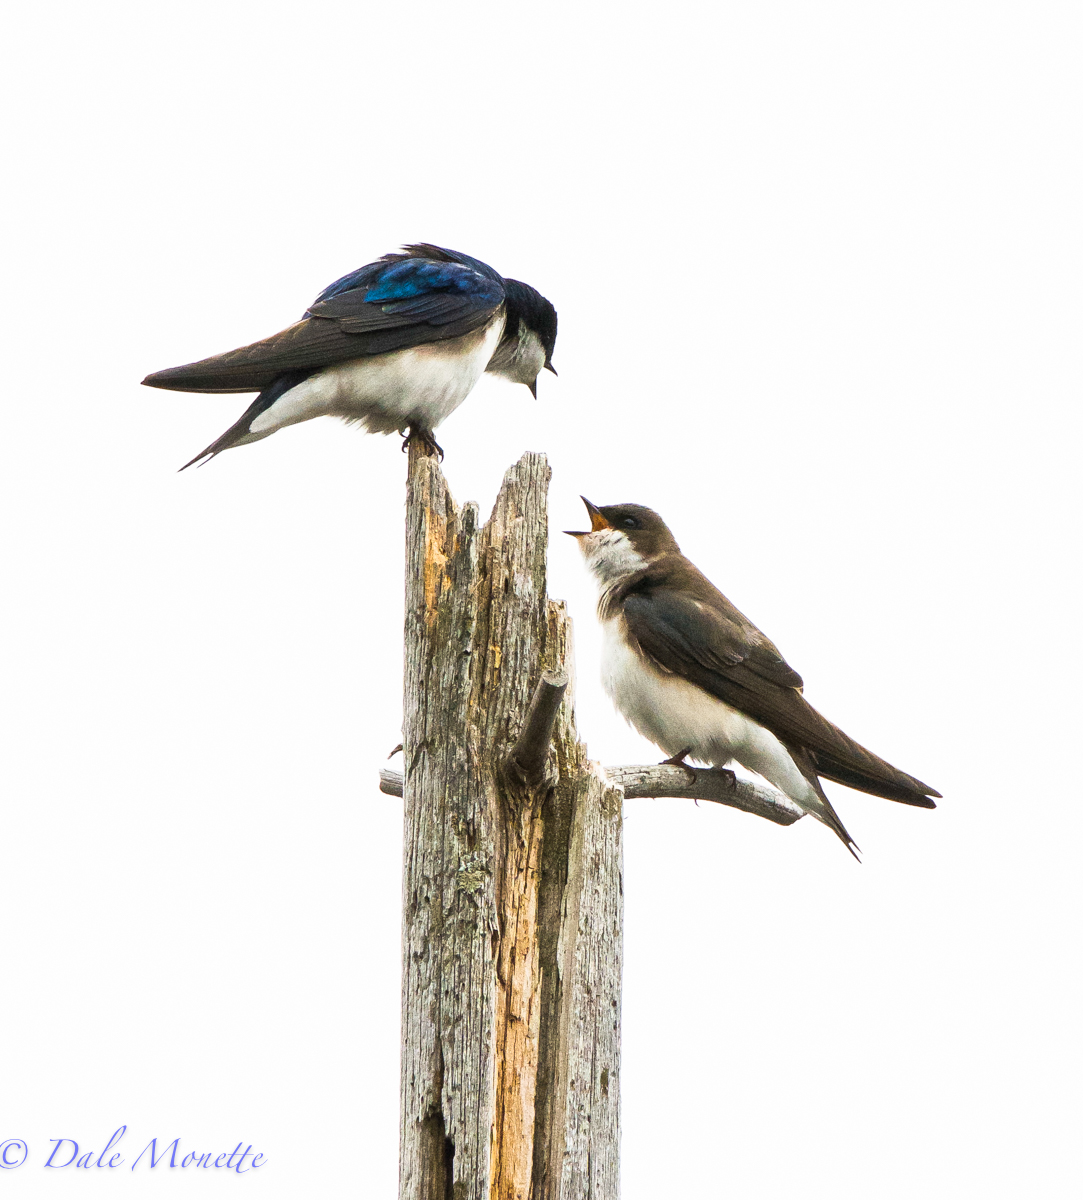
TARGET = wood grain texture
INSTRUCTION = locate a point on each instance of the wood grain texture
(660, 782)
(581, 905)
(719, 786)
(448, 911)
(511, 885)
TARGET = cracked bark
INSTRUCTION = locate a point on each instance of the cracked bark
(511, 880)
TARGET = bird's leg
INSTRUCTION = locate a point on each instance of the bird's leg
(678, 761)
(424, 438)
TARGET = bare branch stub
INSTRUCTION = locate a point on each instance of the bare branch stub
(390, 782)
(526, 763)
(510, 1072)
(719, 786)
(664, 782)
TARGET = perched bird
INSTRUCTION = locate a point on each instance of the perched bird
(696, 677)
(396, 345)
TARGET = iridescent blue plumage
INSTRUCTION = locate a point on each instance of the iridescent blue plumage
(395, 345)
(398, 277)
(362, 277)
(417, 277)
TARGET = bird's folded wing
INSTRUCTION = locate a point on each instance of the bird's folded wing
(715, 647)
(414, 307)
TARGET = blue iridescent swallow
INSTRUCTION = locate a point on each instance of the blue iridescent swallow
(396, 346)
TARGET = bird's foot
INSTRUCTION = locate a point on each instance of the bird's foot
(424, 439)
(678, 761)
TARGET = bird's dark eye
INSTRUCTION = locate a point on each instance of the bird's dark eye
(630, 523)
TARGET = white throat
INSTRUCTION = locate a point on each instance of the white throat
(520, 360)
(610, 556)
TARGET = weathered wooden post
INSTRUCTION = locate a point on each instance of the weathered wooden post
(512, 869)
(512, 873)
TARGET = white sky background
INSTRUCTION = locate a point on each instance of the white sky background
(817, 269)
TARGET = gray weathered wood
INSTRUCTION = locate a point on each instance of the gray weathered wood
(528, 757)
(581, 911)
(511, 879)
(664, 782)
(720, 787)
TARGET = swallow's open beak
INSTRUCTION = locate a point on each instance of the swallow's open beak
(597, 520)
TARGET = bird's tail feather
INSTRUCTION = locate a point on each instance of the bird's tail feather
(239, 433)
(233, 436)
(824, 811)
(212, 451)
(831, 819)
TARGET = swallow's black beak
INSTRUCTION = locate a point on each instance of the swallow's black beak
(533, 388)
(597, 520)
(549, 367)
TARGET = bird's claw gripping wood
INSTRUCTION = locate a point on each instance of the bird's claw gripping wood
(425, 440)
(678, 761)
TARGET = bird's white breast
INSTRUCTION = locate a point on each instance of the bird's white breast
(673, 713)
(421, 386)
(679, 716)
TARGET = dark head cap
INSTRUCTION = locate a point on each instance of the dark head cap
(643, 527)
(535, 312)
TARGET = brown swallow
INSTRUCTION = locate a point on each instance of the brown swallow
(693, 674)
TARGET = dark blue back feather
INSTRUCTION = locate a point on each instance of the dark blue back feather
(419, 277)
(419, 270)
(362, 277)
